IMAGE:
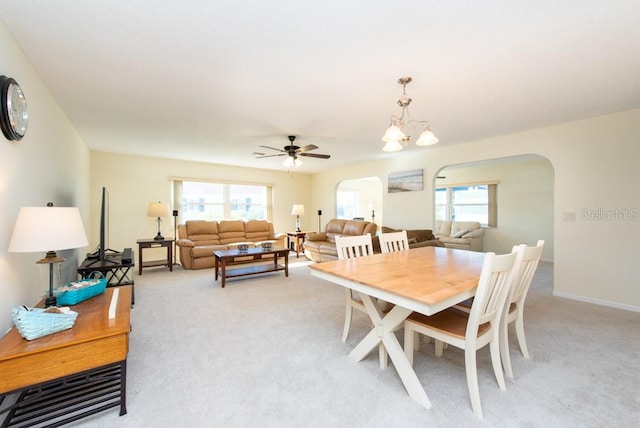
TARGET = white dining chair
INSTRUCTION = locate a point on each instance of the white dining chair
(514, 306)
(394, 241)
(349, 247)
(470, 331)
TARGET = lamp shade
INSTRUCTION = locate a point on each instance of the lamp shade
(158, 209)
(292, 161)
(392, 146)
(426, 139)
(297, 210)
(47, 229)
(393, 133)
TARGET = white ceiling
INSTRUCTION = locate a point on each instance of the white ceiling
(213, 80)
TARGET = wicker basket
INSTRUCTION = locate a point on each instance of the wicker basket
(88, 288)
(34, 323)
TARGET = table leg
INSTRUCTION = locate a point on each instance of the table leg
(224, 271)
(170, 256)
(286, 264)
(215, 268)
(383, 332)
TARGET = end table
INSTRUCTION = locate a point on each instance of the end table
(155, 243)
(295, 241)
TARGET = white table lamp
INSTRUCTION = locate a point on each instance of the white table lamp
(297, 211)
(48, 229)
(158, 210)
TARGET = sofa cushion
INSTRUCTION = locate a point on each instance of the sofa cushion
(206, 250)
(353, 227)
(258, 230)
(231, 231)
(203, 232)
(321, 236)
(466, 226)
(459, 233)
(443, 228)
(201, 227)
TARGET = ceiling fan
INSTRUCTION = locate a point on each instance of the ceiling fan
(294, 151)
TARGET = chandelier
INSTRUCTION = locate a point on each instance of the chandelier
(400, 129)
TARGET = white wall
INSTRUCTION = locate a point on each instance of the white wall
(134, 181)
(594, 169)
(50, 164)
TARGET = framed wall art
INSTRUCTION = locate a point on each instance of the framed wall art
(405, 181)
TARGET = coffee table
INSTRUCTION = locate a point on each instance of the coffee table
(246, 260)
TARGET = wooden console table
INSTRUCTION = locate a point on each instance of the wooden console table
(155, 243)
(71, 374)
(236, 257)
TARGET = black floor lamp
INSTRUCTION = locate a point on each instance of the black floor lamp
(319, 216)
(175, 236)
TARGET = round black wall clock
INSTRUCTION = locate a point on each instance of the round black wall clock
(14, 116)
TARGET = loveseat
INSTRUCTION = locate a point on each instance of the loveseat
(321, 247)
(465, 235)
(198, 239)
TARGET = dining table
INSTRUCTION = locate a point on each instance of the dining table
(425, 280)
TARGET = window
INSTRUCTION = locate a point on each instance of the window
(213, 201)
(472, 202)
(347, 203)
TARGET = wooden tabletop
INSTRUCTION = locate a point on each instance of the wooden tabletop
(92, 323)
(426, 279)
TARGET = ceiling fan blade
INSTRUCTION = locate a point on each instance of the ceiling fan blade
(272, 148)
(307, 148)
(315, 155)
(270, 156)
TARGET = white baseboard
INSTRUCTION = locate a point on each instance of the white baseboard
(597, 301)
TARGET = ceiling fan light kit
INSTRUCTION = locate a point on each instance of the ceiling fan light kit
(399, 132)
(292, 152)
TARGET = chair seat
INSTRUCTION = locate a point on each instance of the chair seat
(451, 321)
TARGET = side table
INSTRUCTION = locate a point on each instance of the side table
(155, 243)
(295, 241)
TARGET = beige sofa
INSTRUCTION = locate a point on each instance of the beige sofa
(465, 235)
(321, 247)
(198, 239)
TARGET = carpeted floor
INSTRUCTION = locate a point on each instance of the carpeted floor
(266, 352)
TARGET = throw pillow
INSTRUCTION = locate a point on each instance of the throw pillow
(412, 241)
(459, 234)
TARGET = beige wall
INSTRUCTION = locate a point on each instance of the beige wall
(134, 181)
(50, 164)
(524, 197)
(594, 171)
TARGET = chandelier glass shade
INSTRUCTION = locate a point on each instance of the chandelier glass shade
(291, 161)
(401, 128)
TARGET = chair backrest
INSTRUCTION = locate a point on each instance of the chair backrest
(394, 241)
(493, 287)
(349, 247)
(526, 265)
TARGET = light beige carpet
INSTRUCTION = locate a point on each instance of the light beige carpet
(266, 352)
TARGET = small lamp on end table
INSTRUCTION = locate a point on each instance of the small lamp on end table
(297, 211)
(158, 209)
(48, 229)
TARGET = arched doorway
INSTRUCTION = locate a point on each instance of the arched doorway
(360, 198)
(525, 199)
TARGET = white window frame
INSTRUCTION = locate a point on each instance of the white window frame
(449, 205)
(227, 203)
